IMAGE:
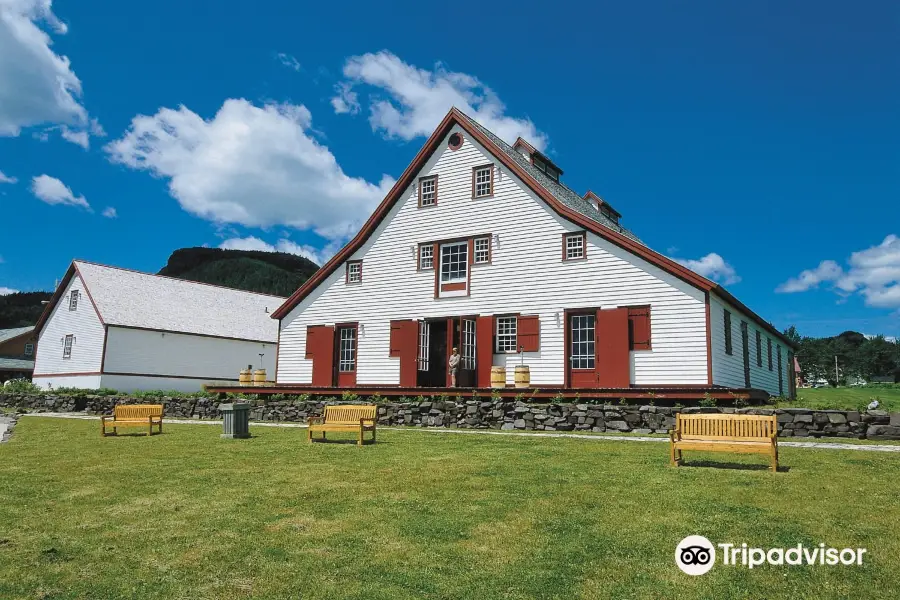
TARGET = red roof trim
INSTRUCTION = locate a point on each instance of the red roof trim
(456, 117)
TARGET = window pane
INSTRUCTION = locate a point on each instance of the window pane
(482, 250)
(507, 334)
(454, 262)
(347, 352)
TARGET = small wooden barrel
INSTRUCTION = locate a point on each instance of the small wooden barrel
(245, 377)
(498, 377)
(523, 376)
(259, 377)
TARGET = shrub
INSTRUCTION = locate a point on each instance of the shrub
(349, 397)
(496, 397)
(559, 398)
(20, 386)
(707, 400)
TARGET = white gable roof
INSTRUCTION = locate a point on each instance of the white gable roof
(134, 299)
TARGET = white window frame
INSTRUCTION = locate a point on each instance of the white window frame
(73, 299)
(481, 256)
(428, 198)
(575, 246)
(426, 257)
(483, 178)
(347, 349)
(29, 349)
(507, 332)
(354, 272)
(68, 342)
(461, 276)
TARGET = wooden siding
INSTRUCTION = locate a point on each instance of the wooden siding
(182, 355)
(131, 383)
(729, 370)
(526, 276)
(83, 323)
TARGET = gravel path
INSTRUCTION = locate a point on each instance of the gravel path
(544, 434)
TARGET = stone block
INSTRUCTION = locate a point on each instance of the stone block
(836, 418)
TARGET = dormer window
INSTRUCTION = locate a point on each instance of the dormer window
(428, 191)
(483, 181)
(545, 167)
(354, 271)
(29, 349)
(73, 300)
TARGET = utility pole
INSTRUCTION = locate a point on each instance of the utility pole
(837, 380)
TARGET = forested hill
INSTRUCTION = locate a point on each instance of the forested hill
(21, 309)
(276, 273)
(857, 355)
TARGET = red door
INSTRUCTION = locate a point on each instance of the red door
(345, 350)
(613, 357)
(320, 348)
(405, 345)
(581, 349)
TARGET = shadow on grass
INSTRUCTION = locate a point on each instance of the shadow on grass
(727, 465)
(345, 441)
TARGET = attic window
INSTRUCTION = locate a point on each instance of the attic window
(354, 271)
(483, 181)
(73, 300)
(609, 214)
(545, 167)
(455, 141)
(29, 349)
(428, 191)
(573, 246)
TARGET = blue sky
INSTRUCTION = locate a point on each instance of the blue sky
(758, 142)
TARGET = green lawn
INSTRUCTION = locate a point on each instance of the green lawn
(846, 398)
(420, 515)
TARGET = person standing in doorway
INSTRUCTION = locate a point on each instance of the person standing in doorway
(454, 366)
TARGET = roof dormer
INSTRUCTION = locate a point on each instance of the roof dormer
(603, 207)
(538, 159)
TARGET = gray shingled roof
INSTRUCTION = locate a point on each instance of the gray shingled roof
(16, 364)
(8, 334)
(558, 190)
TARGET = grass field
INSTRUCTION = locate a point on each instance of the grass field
(846, 398)
(421, 515)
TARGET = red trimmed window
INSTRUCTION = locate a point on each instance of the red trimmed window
(574, 246)
(426, 257)
(639, 328)
(456, 141)
(354, 271)
(67, 346)
(483, 181)
(428, 187)
(73, 300)
(482, 251)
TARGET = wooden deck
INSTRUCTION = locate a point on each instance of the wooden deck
(659, 395)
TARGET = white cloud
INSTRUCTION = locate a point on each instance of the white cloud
(828, 270)
(250, 165)
(288, 61)
(5, 291)
(712, 266)
(420, 98)
(53, 191)
(318, 256)
(37, 86)
(874, 273)
(7, 179)
(109, 212)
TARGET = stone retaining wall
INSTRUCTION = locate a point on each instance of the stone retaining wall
(492, 414)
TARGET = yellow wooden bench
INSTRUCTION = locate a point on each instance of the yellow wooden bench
(725, 433)
(133, 415)
(344, 418)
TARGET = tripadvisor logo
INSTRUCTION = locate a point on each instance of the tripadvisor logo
(696, 555)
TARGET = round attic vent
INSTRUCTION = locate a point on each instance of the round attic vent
(455, 142)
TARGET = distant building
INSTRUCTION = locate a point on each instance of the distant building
(17, 349)
(127, 330)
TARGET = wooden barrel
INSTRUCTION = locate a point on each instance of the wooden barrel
(498, 377)
(259, 377)
(523, 376)
(245, 377)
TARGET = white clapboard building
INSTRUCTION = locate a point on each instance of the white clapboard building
(480, 245)
(127, 330)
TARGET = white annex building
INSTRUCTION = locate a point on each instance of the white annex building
(126, 330)
(480, 245)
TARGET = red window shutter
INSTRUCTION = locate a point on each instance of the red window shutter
(613, 361)
(404, 345)
(639, 328)
(320, 348)
(529, 333)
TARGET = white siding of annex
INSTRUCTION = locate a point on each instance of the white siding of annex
(84, 324)
(133, 383)
(526, 276)
(84, 382)
(165, 353)
(728, 370)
